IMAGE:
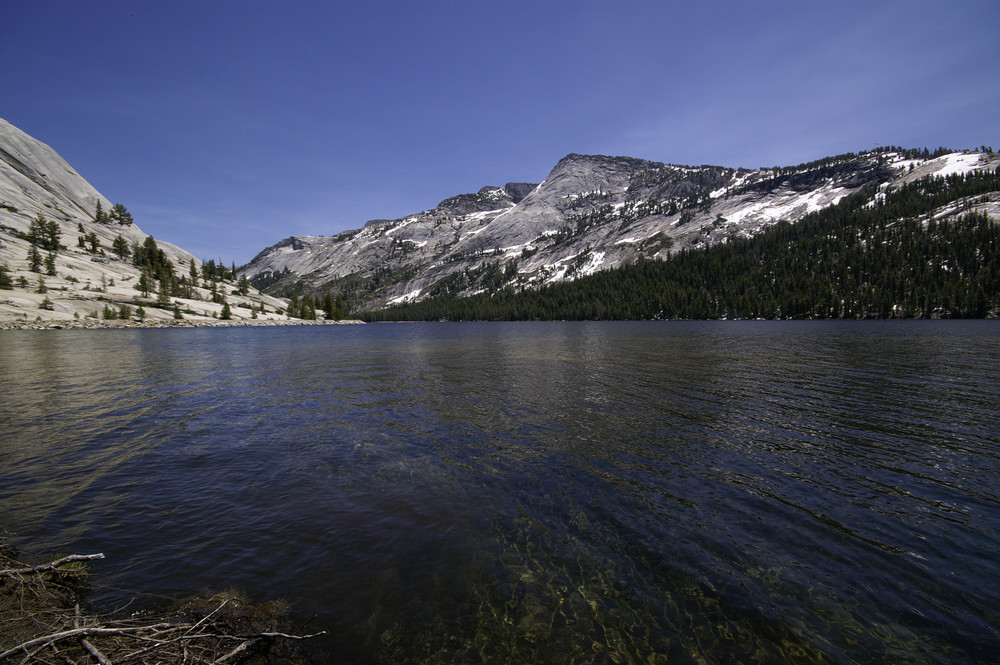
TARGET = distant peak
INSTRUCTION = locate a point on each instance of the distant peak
(518, 190)
(630, 162)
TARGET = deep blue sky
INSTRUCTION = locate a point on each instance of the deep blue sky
(227, 126)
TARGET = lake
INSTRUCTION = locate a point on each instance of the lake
(682, 492)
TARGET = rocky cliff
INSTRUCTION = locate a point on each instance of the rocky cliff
(86, 274)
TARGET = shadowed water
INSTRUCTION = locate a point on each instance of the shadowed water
(551, 493)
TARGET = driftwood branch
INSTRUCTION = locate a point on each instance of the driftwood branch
(169, 634)
(95, 652)
(243, 646)
(29, 570)
(51, 628)
(286, 636)
(79, 632)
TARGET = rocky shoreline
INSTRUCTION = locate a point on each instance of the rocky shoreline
(99, 324)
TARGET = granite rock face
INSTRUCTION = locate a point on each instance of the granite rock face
(35, 181)
(592, 212)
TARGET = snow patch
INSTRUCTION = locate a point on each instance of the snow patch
(482, 214)
(958, 162)
(406, 297)
(580, 195)
(783, 206)
(474, 233)
(405, 222)
(905, 164)
(593, 264)
(734, 185)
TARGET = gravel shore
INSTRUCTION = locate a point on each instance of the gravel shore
(100, 324)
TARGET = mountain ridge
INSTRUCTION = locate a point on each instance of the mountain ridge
(927, 249)
(590, 213)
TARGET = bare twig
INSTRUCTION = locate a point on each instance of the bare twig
(243, 646)
(77, 632)
(210, 615)
(95, 652)
(286, 636)
(50, 566)
(52, 628)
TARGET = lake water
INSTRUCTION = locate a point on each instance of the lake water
(532, 492)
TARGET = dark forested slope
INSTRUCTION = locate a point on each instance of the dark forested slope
(925, 249)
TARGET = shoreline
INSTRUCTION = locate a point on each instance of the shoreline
(45, 613)
(112, 324)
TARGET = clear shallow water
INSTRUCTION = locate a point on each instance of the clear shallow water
(553, 492)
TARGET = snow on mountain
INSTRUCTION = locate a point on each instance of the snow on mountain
(958, 163)
(591, 212)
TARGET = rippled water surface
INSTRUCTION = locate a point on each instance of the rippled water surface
(549, 493)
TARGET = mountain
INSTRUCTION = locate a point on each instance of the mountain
(929, 248)
(590, 214)
(48, 210)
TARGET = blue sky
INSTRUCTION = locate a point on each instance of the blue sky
(227, 126)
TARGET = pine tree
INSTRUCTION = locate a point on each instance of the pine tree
(100, 217)
(227, 313)
(120, 215)
(34, 259)
(5, 280)
(143, 285)
(120, 247)
(208, 270)
(163, 295)
(307, 309)
(44, 233)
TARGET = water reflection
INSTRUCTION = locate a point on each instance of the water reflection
(547, 493)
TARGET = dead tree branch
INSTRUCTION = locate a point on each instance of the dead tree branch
(29, 570)
(43, 623)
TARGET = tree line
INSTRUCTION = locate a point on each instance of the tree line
(874, 255)
(305, 306)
